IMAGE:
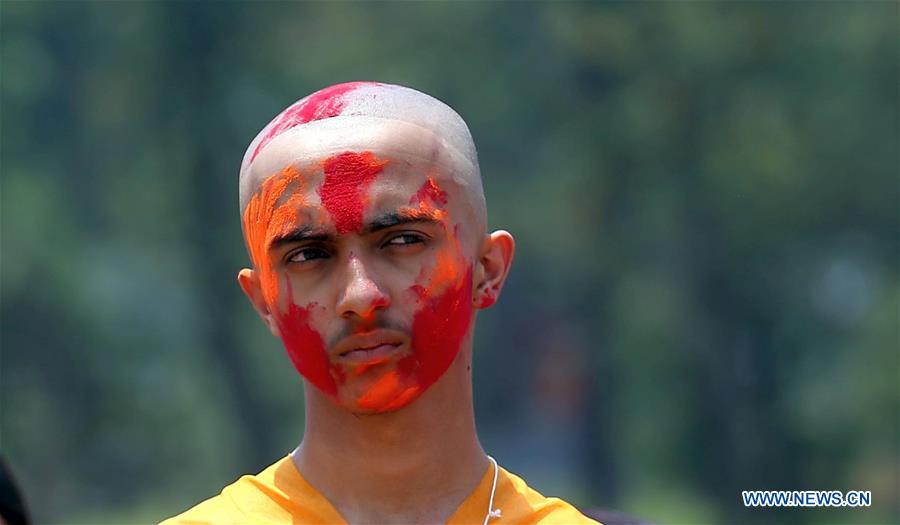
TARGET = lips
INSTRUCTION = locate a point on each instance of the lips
(376, 345)
(366, 355)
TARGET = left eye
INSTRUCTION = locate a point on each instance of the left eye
(306, 255)
(404, 239)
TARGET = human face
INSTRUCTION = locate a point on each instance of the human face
(363, 261)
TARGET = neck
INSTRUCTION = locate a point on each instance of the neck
(414, 465)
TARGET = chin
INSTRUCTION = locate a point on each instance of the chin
(363, 412)
(386, 393)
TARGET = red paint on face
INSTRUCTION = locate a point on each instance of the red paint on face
(430, 191)
(347, 177)
(322, 104)
(382, 393)
(306, 348)
(443, 317)
(267, 215)
(439, 328)
(264, 217)
(442, 292)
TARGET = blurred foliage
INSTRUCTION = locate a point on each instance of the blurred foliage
(705, 296)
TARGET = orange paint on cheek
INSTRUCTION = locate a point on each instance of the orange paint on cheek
(264, 218)
(267, 215)
(443, 292)
(429, 201)
(444, 273)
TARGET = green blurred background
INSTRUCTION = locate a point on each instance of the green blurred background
(705, 295)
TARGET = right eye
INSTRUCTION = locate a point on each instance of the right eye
(305, 255)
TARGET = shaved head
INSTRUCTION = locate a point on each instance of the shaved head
(364, 216)
(357, 116)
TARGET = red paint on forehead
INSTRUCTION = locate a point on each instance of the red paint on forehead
(322, 104)
(429, 191)
(347, 176)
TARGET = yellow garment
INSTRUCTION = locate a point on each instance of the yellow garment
(280, 495)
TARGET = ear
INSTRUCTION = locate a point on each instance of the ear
(494, 259)
(249, 281)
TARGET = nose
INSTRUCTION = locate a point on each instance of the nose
(360, 294)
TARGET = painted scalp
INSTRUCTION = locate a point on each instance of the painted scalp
(365, 99)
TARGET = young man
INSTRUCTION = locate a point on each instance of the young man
(364, 216)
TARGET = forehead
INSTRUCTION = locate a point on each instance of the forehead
(364, 185)
(402, 171)
(411, 153)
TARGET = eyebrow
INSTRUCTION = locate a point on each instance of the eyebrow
(382, 222)
(303, 233)
(402, 216)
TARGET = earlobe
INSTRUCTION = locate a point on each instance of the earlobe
(249, 282)
(493, 266)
